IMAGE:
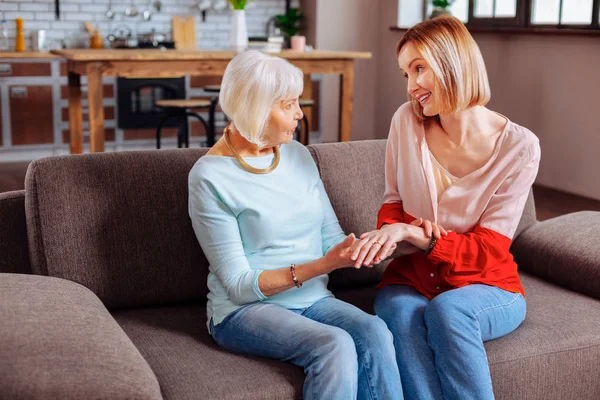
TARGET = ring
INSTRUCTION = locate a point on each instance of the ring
(378, 243)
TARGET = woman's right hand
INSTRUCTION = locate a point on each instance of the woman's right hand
(430, 228)
(339, 255)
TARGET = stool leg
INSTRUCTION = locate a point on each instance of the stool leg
(203, 122)
(186, 131)
(306, 131)
(159, 128)
(298, 132)
(211, 131)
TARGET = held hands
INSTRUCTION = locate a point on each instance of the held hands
(340, 256)
(429, 228)
(375, 246)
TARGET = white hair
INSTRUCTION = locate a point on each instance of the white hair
(252, 83)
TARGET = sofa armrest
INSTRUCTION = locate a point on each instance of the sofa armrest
(58, 341)
(564, 250)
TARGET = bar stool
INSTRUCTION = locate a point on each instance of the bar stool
(212, 111)
(180, 108)
(303, 137)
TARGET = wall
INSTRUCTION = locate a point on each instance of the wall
(213, 33)
(349, 25)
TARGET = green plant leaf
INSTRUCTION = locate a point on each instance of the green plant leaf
(289, 23)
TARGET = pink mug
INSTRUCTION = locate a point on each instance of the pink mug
(297, 43)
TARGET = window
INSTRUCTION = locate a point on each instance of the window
(534, 14)
(572, 13)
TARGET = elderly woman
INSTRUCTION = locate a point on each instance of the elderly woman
(266, 225)
(453, 164)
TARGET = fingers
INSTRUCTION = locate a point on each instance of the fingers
(427, 228)
(365, 238)
(375, 248)
(350, 238)
(436, 230)
(365, 251)
(430, 228)
(386, 251)
(348, 242)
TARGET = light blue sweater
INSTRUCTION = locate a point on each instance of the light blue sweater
(248, 223)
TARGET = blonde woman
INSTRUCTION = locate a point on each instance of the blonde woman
(457, 179)
(266, 225)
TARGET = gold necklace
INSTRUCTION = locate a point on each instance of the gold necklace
(244, 164)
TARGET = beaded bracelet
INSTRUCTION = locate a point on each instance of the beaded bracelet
(294, 278)
(431, 245)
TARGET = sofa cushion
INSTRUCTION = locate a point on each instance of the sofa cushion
(553, 355)
(118, 224)
(189, 365)
(14, 250)
(58, 341)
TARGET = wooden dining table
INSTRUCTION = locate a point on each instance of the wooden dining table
(151, 63)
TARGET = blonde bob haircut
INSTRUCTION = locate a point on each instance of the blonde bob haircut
(454, 57)
(252, 83)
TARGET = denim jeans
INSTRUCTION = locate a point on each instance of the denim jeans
(346, 353)
(439, 343)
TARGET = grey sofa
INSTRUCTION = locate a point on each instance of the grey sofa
(103, 286)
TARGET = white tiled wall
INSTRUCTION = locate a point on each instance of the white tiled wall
(211, 34)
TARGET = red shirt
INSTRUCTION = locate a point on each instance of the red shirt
(457, 260)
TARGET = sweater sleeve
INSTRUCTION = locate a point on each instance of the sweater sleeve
(487, 245)
(391, 211)
(217, 230)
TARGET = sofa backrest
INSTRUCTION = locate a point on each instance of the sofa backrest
(118, 223)
(14, 255)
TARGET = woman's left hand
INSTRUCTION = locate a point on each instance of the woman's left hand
(380, 243)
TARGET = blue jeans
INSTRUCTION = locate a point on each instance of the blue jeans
(439, 343)
(345, 352)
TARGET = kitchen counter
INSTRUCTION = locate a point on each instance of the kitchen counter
(156, 55)
(146, 63)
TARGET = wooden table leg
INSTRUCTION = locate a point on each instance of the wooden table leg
(346, 98)
(95, 108)
(306, 94)
(75, 116)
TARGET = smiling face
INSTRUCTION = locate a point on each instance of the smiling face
(282, 123)
(421, 81)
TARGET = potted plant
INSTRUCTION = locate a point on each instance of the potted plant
(289, 23)
(440, 7)
(238, 4)
(239, 29)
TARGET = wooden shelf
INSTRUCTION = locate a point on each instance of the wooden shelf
(523, 31)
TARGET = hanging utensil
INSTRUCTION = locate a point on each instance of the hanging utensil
(110, 13)
(203, 6)
(157, 4)
(147, 13)
(132, 10)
